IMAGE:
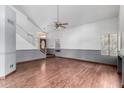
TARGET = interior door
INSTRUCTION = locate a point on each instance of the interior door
(43, 45)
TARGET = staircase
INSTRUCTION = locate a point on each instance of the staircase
(50, 55)
(28, 35)
(30, 38)
(26, 39)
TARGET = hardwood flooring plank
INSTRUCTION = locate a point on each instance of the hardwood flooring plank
(63, 73)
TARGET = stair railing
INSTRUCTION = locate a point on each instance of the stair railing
(26, 35)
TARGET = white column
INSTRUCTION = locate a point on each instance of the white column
(7, 40)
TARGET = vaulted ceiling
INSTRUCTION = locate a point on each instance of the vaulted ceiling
(73, 14)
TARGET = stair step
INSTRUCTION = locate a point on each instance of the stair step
(50, 55)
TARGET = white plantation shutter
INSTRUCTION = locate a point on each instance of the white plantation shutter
(104, 44)
(113, 44)
(109, 44)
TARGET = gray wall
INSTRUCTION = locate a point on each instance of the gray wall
(89, 55)
(26, 55)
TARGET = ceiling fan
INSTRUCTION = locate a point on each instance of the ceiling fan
(57, 24)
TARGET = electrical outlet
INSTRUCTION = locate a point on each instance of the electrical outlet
(11, 66)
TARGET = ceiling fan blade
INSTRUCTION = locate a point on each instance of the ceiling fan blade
(64, 23)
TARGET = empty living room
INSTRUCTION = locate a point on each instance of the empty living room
(61, 46)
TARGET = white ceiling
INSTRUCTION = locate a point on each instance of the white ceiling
(73, 14)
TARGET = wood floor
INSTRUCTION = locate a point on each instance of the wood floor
(60, 72)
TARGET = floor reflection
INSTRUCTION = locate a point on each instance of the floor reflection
(43, 66)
